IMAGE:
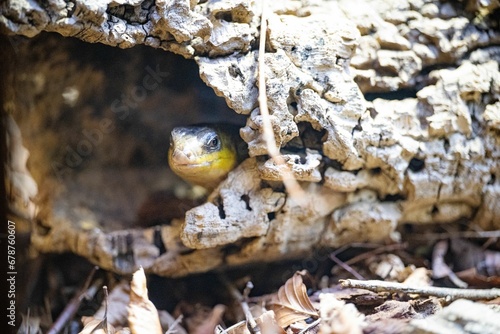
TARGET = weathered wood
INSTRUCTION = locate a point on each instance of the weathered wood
(431, 155)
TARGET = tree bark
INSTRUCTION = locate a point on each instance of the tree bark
(387, 113)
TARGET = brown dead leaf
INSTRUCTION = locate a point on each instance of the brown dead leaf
(142, 314)
(293, 303)
(474, 278)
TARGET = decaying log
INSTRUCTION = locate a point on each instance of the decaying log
(430, 155)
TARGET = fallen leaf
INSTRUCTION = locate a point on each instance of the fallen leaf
(142, 314)
(472, 277)
(293, 303)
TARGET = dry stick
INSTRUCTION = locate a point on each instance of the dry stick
(347, 264)
(312, 325)
(172, 329)
(289, 181)
(448, 293)
(246, 309)
(356, 245)
(70, 309)
(462, 234)
(346, 267)
(251, 323)
(379, 250)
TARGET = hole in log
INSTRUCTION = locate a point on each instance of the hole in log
(375, 171)
(271, 215)
(246, 199)
(416, 165)
(492, 179)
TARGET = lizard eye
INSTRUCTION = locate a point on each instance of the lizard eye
(213, 143)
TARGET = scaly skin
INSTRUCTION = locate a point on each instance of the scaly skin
(203, 155)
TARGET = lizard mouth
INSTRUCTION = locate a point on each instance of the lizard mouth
(202, 164)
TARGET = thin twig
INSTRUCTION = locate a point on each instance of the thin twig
(289, 181)
(355, 245)
(251, 323)
(346, 267)
(312, 325)
(382, 249)
(459, 234)
(448, 293)
(73, 305)
(172, 329)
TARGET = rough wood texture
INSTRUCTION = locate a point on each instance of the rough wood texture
(432, 155)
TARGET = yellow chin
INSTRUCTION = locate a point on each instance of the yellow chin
(207, 170)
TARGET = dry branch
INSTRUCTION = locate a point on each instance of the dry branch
(448, 293)
(294, 189)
